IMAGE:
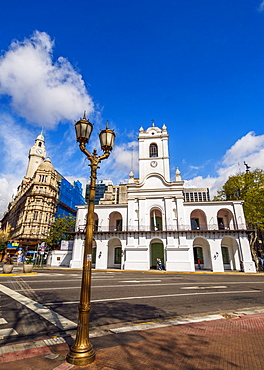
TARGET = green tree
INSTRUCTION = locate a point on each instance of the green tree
(61, 229)
(4, 236)
(249, 187)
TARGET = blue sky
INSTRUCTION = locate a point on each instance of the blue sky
(195, 66)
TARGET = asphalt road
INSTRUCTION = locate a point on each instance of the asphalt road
(48, 302)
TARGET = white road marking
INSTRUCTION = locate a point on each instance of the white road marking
(204, 287)
(139, 281)
(61, 303)
(48, 314)
(132, 285)
(131, 281)
(59, 281)
(154, 296)
(3, 321)
(174, 295)
(50, 342)
(7, 332)
(154, 325)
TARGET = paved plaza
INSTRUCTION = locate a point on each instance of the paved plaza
(236, 341)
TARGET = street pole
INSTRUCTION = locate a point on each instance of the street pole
(81, 352)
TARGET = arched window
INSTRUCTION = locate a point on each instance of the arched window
(198, 220)
(115, 221)
(155, 220)
(153, 150)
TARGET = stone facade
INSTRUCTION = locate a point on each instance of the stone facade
(32, 211)
(42, 195)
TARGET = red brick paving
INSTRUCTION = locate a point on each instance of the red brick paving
(212, 345)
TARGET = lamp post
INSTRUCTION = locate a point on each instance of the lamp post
(82, 352)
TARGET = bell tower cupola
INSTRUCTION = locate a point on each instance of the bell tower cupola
(153, 152)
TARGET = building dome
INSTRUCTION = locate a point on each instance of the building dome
(46, 165)
(40, 137)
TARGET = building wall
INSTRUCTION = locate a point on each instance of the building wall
(31, 213)
(156, 222)
(178, 241)
(42, 195)
(69, 196)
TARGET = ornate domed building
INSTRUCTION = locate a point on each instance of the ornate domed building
(38, 199)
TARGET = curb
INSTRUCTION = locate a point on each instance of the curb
(134, 271)
(153, 271)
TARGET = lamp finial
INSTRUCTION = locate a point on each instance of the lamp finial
(84, 115)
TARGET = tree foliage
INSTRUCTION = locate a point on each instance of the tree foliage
(4, 235)
(60, 230)
(249, 187)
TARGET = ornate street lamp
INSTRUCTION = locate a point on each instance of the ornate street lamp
(82, 352)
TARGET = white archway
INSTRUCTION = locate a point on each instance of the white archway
(225, 220)
(114, 256)
(156, 251)
(115, 221)
(156, 219)
(230, 253)
(198, 220)
(201, 249)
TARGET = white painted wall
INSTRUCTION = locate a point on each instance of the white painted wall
(154, 190)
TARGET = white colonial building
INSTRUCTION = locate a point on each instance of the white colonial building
(161, 219)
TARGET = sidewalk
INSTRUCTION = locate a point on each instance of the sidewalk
(18, 270)
(235, 341)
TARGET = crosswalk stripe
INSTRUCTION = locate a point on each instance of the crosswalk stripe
(47, 313)
(7, 332)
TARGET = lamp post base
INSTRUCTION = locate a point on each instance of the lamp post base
(81, 357)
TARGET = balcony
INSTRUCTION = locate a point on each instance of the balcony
(168, 228)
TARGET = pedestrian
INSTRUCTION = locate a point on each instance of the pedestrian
(157, 263)
(160, 265)
(7, 258)
(221, 226)
(199, 263)
(20, 256)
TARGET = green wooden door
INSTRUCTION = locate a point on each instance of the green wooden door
(157, 251)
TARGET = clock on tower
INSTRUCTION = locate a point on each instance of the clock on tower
(36, 155)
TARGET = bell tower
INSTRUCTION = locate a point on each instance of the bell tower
(153, 152)
(36, 155)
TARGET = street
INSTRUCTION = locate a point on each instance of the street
(47, 303)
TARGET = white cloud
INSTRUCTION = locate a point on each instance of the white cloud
(194, 167)
(119, 163)
(42, 91)
(261, 7)
(126, 155)
(248, 145)
(250, 148)
(115, 168)
(15, 142)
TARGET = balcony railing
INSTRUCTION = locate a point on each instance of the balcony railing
(130, 228)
